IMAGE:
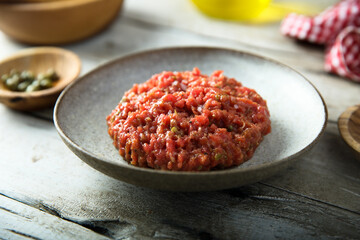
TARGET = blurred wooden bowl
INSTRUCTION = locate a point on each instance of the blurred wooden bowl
(56, 22)
(27, 1)
(66, 64)
(349, 127)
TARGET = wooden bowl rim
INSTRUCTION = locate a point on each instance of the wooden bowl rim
(46, 92)
(343, 125)
(53, 5)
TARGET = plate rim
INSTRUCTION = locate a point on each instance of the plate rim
(232, 170)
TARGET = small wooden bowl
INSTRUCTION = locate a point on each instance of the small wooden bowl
(349, 127)
(66, 64)
(56, 22)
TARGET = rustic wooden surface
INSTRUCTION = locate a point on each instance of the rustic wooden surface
(46, 192)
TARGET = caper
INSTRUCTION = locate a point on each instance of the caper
(4, 77)
(124, 99)
(40, 76)
(12, 82)
(218, 156)
(30, 88)
(45, 83)
(51, 74)
(16, 75)
(26, 80)
(27, 76)
(16, 78)
(34, 86)
(230, 128)
(22, 86)
(36, 83)
(23, 74)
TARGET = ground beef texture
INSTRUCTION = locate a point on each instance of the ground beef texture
(188, 121)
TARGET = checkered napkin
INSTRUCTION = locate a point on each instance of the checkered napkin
(338, 27)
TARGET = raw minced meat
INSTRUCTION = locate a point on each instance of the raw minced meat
(188, 121)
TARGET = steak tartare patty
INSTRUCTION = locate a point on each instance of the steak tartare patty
(188, 121)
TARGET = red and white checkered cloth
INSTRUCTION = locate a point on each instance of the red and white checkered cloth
(338, 27)
(343, 57)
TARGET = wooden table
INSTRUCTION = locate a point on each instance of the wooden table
(46, 192)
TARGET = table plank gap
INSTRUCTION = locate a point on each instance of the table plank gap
(22, 219)
(305, 196)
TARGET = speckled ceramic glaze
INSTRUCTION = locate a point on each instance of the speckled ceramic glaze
(298, 115)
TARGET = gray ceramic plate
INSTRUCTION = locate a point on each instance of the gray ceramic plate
(298, 115)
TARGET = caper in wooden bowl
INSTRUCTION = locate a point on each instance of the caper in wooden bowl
(33, 78)
(27, 81)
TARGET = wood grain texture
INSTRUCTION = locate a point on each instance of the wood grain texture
(49, 22)
(28, 1)
(247, 211)
(20, 221)
(349, 126)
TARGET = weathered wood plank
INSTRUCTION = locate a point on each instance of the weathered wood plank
(20, 221)
(252, 212)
